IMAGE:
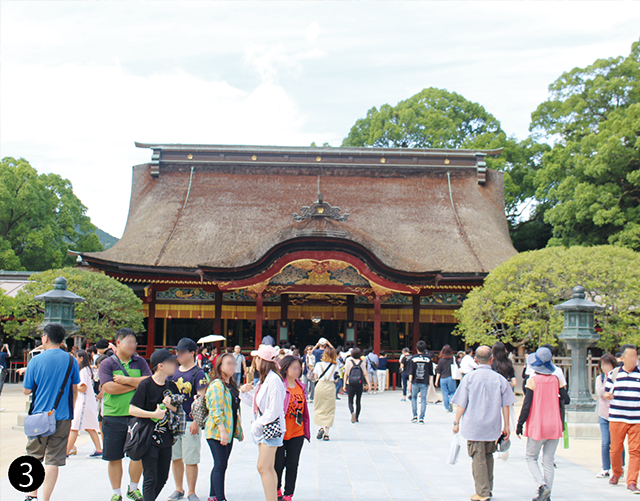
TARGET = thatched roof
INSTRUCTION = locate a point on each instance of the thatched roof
(228, 206)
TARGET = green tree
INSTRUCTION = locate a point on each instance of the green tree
(109, 304)
(590, 179)
(436, 118)
(40, 219)
(516, 302)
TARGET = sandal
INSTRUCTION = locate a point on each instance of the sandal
(320, 434)
(326, 438)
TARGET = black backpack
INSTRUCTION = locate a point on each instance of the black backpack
(356, 376)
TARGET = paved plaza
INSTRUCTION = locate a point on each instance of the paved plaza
(384, 457)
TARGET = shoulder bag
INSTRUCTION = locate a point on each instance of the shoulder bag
(43, 424)
(455, 370)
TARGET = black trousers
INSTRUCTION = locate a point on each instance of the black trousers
(155, 468)
(288, 456)
(354, 391)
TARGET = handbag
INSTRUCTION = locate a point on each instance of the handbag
(271, 430)
(200, 411)
(455, 370)
(43, 424)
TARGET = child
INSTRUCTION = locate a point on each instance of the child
(151, 400)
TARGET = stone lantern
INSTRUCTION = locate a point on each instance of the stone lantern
(579, 334)
(59, 306)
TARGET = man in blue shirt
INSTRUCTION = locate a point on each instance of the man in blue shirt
(43, 379)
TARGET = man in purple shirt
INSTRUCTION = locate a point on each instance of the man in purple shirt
(483, 398)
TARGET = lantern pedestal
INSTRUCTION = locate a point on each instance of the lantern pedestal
(578, 334)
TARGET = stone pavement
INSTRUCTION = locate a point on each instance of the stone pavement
(384, 457)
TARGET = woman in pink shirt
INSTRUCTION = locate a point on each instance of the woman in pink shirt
(541, 413)
(607, 363)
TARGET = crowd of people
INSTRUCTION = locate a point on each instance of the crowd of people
(156, 413)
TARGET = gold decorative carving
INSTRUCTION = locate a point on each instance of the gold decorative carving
(253, 157)
(415, 288)
(190, 156)
(319, 279)
(275, 289)
(257, 288)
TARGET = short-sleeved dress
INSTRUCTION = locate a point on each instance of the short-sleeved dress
(85, 413)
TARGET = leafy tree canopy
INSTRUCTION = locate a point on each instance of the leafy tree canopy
(40, 219)
(109, 304)
(437, 118)
(516, 302)
(590, 179)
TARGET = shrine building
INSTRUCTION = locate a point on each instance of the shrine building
(370, 246)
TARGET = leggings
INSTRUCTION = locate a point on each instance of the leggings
(354, 391)
(155, 467)
(220, 455)
(288, 456)
(548, 448)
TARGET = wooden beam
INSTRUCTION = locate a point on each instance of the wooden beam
(217, 319)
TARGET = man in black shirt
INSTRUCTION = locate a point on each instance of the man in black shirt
(420, 370)
(151, 400)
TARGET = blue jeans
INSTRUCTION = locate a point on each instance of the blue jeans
(422, 389)
(238, 376)
(405, 382)
(606, 444)
(448, 386)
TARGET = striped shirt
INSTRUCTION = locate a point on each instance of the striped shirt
(625, 406)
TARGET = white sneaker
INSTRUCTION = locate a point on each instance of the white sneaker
(505, 455)
(603, 474)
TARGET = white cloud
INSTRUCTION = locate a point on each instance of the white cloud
(312, 31)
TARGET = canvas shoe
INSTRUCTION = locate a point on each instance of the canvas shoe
(414, 420)
(603, 474)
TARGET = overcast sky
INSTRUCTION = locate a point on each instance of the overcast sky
(81, 81)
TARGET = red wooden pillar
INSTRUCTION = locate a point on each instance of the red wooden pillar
(259, 320)
(376, 324)
(151, 325)
(416, 320)
(217, 318)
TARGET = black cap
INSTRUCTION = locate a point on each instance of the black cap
(101, 344)
(187, 344)
(161, 356)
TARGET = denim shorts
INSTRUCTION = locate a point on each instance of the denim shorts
(274, 442)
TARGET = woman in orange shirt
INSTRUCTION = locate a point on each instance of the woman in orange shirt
(298, 427)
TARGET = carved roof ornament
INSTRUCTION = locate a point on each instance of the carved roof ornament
(320, 209)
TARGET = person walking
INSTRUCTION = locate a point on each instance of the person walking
(355, 382)
(541, 412)
(324, 407)
(120, 375)
(502, 365)
(297, 423)
(309, 364)
(420, 370)
(467, 364)
(224, 423)
(622, 389)
(52, 379)
(484, 399)
(85, 413)
(241, 365)
(381, 372)
(269, 424)
(404, 372)
(5, 355)
(155, 398)
(607, 363)
(191, 381)
(444, 377)
(372, 360)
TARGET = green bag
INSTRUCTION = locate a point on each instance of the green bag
(565, 436)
